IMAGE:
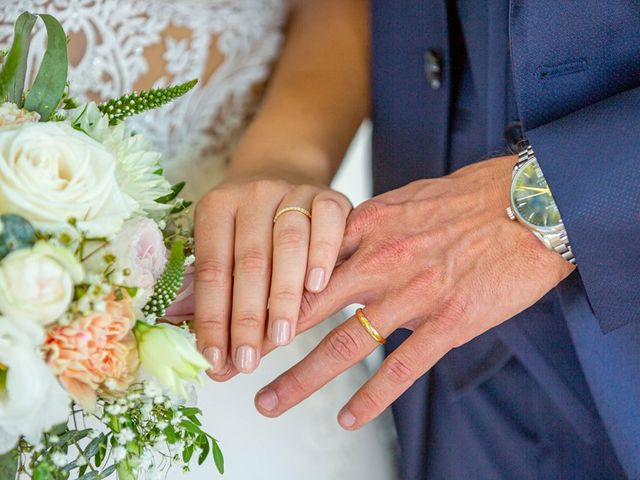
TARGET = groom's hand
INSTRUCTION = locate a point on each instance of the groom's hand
(439, 257)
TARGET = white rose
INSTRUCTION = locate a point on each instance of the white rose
(50, 172)
(139, 250)
(31, 399)
(38, 282)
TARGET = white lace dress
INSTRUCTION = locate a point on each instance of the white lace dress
(117, 46)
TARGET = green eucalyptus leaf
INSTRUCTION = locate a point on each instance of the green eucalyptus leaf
(15, 233)
(171, 435)
(48, 88)
(108, 471)
(14, 70)
(101, 453)
(89, 476)
(190, 427)
(218, 458)
(73, 436)
(187, 453)
(203, 441)
(8, 465)
(94, 446)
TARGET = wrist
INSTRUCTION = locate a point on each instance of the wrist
(298, 164)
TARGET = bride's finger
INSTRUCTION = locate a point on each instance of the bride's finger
(330, 211)
(212, 286)
(342, 348)
(396, 374)
(291, 233)
(346, 288)
(252, 277)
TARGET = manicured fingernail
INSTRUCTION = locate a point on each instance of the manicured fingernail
(214, 357)
(281, 332)
(267, 400)
(246, 359)
(315, 281)
(346, 419)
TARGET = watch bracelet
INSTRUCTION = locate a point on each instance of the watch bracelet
(558, 243)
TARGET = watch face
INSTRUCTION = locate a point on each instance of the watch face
(532, 200)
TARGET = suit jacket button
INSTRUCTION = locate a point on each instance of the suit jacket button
(433, 69)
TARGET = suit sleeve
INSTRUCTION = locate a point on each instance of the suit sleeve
(591, 160)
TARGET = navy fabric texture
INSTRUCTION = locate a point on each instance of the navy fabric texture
(553, 392)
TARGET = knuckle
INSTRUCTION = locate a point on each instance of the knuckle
(211, 202)
(398, 370)
(211, 271)
(264, 187)
(324, 250)
(390, 253)
(290, 237)
(369, 400)
(453, 318)
(369, 213)
(330, 204)
(424, 282)
(248, 320)
(286, 295)
(253, 261)
(294, 382)
(211, 324)
(342, 345)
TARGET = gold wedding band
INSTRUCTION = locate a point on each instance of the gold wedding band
(371, 330)
(301, 210)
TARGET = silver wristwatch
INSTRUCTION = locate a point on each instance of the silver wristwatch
(532, 204)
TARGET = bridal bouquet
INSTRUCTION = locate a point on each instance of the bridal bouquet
(94, 243)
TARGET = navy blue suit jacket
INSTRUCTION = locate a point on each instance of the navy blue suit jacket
(574, 68)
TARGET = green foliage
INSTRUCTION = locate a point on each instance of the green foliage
(14, 70)
(48, 89)
(175, 191)
(128, 105)
(168, 286)
(15, 232)
(8, 465)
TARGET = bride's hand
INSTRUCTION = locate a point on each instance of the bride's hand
(246, 263)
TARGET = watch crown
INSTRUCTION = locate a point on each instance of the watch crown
(511, 213)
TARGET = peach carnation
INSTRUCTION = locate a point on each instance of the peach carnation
(95, 354)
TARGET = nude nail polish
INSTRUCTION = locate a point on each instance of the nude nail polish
(316, 279)
(281, 332)
(246, 359)
(214, 357)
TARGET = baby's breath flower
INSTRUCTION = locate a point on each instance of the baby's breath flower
(59, 459)
(125, 436)
(119, 454)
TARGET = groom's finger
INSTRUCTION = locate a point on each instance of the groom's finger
(396, 374)
(342, 348)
